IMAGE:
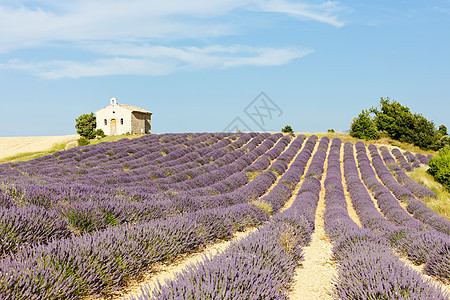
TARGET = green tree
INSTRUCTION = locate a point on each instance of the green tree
(363, 127)
(400, 124)
(287, 129)
(85, 125)
(440, 167)
(443, 130)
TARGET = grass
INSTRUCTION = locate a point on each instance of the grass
(440, 205)
(114, 138)
(267, 207)
(252, 175)
(31, 155)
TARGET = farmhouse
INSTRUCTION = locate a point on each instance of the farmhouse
(117, 118)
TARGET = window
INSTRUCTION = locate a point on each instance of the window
(106, 122)
(121, 121)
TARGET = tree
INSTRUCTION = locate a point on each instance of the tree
(400, 124)
(287, 129)
(363, 127)
(443, 130)
(85, 125)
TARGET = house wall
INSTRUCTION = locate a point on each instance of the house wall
(140, 122)
(116, 112)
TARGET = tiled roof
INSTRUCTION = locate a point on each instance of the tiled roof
(129, 107)
(133, 108)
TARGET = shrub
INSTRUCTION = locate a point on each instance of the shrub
(440, 167)
(99, 133)
(85, 125)
(363, 127)
(331, 130)
(83, 141)
(287, 129)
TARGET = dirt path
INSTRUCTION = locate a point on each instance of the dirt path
(313, 280)
(10, 146)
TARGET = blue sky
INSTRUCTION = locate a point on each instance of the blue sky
(197, 65)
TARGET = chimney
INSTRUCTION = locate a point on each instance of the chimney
(113, 100)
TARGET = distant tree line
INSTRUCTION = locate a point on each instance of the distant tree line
(396, 121)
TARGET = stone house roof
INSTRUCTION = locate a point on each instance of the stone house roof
(127, 107)
(133, 108)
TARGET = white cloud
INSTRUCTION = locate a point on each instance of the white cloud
(117, 37)
(22, 26)
(135, 20)
(324, 12)
(158, 60)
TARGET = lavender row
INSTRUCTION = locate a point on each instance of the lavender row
(414, 161)
(261, 266)
(387, 203)
(278, 196)
(264, 161)
(367, 268)
(195, 178)
(417, 189)
(415, 240)
(98, 263)
(404, 164)
(422, 158)
(414, 206)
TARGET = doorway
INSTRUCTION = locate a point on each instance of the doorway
(113, 130)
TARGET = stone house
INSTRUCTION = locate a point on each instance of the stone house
(117, 118)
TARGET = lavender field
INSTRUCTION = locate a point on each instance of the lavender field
(87, 222)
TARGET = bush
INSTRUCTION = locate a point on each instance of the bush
(83, 141)
(363, 127)
(331, 130)
(440, 167)
(85, 125)
(99, 133)
(287, 129)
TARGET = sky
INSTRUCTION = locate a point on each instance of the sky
(221, 65)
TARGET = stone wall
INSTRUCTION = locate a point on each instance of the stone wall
(140, 122)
